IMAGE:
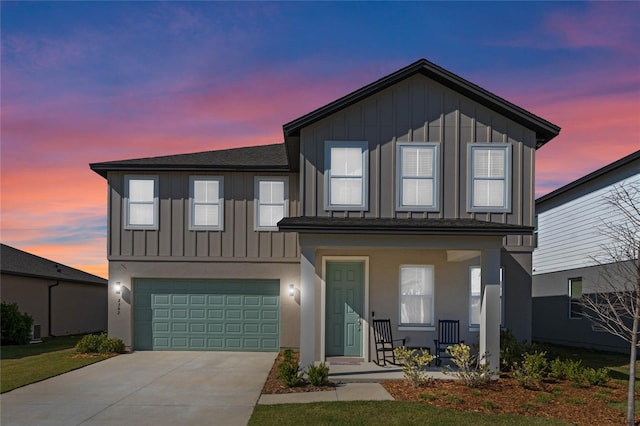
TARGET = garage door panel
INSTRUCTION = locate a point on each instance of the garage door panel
(235, 315)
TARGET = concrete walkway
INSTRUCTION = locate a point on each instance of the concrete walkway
(342, 392)
(145, 388)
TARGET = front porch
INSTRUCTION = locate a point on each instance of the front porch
(383, 259)
(351, 370)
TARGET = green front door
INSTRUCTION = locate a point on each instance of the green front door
(345, 282)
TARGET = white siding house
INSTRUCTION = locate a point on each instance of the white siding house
(570, 241)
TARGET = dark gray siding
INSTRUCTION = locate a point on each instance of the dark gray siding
(419, 109)
(173, 240)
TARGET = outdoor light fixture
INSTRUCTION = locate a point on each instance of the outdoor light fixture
(291, 290)
(117, 287)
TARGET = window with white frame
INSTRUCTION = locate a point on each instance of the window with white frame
(489, 177)
(416, 295)
(475, 295)
(346, 175)
(417, 181)
(271, 200)
(141, 202)
(206, 202)
(575, 294)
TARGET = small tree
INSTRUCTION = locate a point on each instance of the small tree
(16, 325)
(614, 307)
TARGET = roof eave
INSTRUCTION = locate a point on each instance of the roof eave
(103, 168)
(479, 231)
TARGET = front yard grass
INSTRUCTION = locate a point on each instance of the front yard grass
(382, 412)
(21, 365)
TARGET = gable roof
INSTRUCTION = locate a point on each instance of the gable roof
(17, 262)
(545, 130)
(609, 168)
(254, 158)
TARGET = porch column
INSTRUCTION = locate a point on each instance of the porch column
(490, 307)
(307, 306)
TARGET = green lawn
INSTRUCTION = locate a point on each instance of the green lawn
(348, 413)
(21, 365)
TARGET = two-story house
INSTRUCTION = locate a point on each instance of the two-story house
(411, 198)
(571, 258)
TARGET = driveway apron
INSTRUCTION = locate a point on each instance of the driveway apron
(146, 388)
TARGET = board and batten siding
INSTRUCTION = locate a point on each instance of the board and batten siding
(570, 234)
(419, 109)
(173, 240)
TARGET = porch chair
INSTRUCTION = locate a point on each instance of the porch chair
(448, 335)
(385, 342)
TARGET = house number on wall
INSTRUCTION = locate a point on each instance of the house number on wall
(118, 310)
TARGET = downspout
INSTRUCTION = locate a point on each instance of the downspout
(50, 316)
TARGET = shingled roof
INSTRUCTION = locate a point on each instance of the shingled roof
(21, 263)
(253, 158)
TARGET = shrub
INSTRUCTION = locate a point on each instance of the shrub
(112, 345)
(530, 372)
(511, 350)
(15, 325)
(99, 343)
(558, 369)
(318, 375)
(595, 377)
(289, 370)
(473, 371)
(413, 363)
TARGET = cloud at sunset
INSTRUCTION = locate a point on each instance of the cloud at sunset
(87, 82)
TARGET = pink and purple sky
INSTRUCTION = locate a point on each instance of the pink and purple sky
(85, 82)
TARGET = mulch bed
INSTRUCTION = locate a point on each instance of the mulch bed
(554, 399)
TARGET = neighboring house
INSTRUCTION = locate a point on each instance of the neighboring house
(61, 300)
(385, 203)
(570, 221)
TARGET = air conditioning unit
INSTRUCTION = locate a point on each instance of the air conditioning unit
(35, 334)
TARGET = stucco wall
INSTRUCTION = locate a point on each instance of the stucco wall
(76, 308)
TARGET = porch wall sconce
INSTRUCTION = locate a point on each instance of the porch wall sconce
(117, 287)
(292, 290)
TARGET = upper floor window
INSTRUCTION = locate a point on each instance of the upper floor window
(141, 202)
(271, 202)
(489, 177)
(206, 201)
(417, 181)
(346, 174)
(416, 295)
(475, 296)
(575, 294)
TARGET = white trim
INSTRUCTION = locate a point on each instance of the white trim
(508, 178)
(256, 200)
(409, 328)
(435, 177)
(365, 304)
(364, 146)
(155, 225)
(417, 326)
(220, 226)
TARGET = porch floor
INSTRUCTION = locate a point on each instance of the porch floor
(356, 370)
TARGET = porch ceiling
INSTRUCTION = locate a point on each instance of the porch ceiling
(323, 225)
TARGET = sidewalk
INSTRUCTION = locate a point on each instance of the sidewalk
(342, 392)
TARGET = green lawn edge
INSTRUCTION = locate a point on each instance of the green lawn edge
(356, 413)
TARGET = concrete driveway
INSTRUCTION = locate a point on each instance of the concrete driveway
(146, 388)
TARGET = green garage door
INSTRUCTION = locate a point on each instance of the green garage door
(206, 315)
